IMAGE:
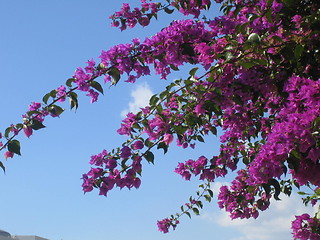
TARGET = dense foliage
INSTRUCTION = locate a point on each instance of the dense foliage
(258, 83)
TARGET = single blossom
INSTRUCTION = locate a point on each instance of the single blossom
(8, 154)
(27, 131)
(137, 145)
(125, 152)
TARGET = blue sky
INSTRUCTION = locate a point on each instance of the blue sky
(42, 43)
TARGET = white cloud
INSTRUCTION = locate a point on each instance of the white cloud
(274, 223)
(140, 98)
(215, 187)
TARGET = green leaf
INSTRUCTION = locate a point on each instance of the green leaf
(180, 129)
(210, 192)
(115, 74)
(149, 156)
(174, 68)
(192, 120)
(164, 94)
(188, 214)
(254, 38)
(163, 146)
(277, 188)
(294, 160)
(159, 108)
(253, 17)
(296, 184)
(211, 77)
(207, 197)
(237, 10)
(97, 86)
(200, 138)
(266, 188)
(101, 66)
(247, 65)
(261, 62)
(69, 82)
(227, 9)
(199, 204)
(243, 28)
(316, 124)
(287, 191)
(269, 16)
(284, 168)
(46, 98)
(213, 130)
(19, 125)
(53, 93)
(2, 166)
(55, 110)
(196, 211)
(153, 100)
(7, 131)
(288, 3)
(14, 146)
(33, 112)
(193, 71)
(318, 214)
(35, 124)
(301, 193)
(228, 56)
(148, 143)
(295, 154)
(269, 3)
(187, 49)
(298, 51)
(277, 39)
(73, 98)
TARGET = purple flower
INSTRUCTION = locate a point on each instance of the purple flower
(87, 183)
(136, 182)
(125, 152)
(137, 145)
(305, 228)
(34, 106)
(163, 225)
(111, 163)
(61, 93)
(168, 138)
(90, 68)
(27, 131)
(93, 94)
(8, 154)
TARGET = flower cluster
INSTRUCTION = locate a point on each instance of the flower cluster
(191, 7)
(83, 79)
(292, 132)
(200, 166)
(129, 18)
(240, 200)
(306, 228)
(105, 174)
(166, 223)
(258, 89)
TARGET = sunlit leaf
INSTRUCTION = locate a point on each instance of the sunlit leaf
(14, 146)
(36, 125)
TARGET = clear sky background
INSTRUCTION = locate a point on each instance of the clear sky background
(42, 42)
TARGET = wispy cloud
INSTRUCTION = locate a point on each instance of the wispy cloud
(274, 223)
(140, 98)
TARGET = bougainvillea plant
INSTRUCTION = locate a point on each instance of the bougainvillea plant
(254, 77)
